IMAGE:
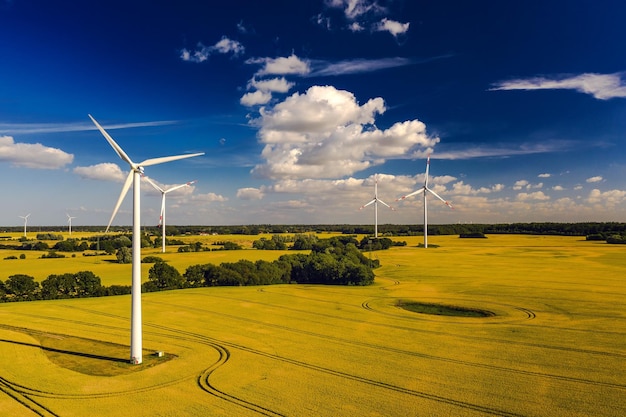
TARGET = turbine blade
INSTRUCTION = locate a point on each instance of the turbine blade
(427, 168)
(127, 184)
(365, 205)
(155, 161)
(162, 210)
(411, 194)
(120, 152)
(437, 195)
(153, 183)
(383, 203)
(179, 186)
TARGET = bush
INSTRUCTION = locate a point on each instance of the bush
(151, 259)
(52, 254)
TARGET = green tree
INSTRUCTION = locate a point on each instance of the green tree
(165, 277)
(22, 286)
(124, 255)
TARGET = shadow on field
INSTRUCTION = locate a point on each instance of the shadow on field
(66, 352)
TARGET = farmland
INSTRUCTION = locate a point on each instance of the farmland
(555, 344)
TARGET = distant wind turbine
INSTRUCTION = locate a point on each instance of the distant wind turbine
(134, 178)
(25, 222)
(162, 215)
(424, 190)
(375, 201)
(69, 221)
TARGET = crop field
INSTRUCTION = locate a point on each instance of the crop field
(553, 343)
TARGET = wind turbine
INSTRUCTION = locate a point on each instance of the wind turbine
(69, 221)
(375, 201)
(162, 215)
(424, 190)
(134, 178)
(25, 222)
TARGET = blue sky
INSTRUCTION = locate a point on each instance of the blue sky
(298, 106)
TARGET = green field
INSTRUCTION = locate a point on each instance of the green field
(556, 345)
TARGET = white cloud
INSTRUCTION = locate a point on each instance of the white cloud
(281, 65)
(594, 179)
(264, 89)
(325, 133)
(105, 172)
(391, 26)
(203, 52)
(249, 194)
(208, 198)
(558, 188)
(544, 175)
(521, 184)
(358, 66)
(600, 86)
(466, 189)
(255, 98)
(537, 195)
(354, 9)
(32, 155)
(225, 46)
(608, 198)
(278, 85)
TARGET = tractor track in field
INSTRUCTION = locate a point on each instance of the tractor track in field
(204, 383)
(203, 379)
(390, 349)
(16, 393)
(24, 394)
(528, 315)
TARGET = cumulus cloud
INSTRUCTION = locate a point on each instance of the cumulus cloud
(203, 52)
(264, 90)
(281, 65)
(537, 195)
(465, 189)
(362, 14)
(249, 194)
(600, 86)
(105, 172)
(558, 188)
(355, 8)
(32, 155)
(208, 198)
(520, 184)
(609, 198)
(544, 175)
(391, 26)
(594, 179)
(255, 98)
(326, 133)
(279, 85)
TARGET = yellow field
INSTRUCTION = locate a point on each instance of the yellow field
(556, 346)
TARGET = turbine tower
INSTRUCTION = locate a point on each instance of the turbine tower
(162, 215)
(69, 221)
(134, 178)
(25, 222)
(375, 201)
(425, 190)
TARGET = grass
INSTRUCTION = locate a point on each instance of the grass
(556, 344)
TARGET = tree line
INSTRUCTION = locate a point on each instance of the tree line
(334, 261)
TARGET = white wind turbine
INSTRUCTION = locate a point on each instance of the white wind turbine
(162, 215)
(424, 190)
(375, 201)
(134, 178)
(69, 221)
(25, 222)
